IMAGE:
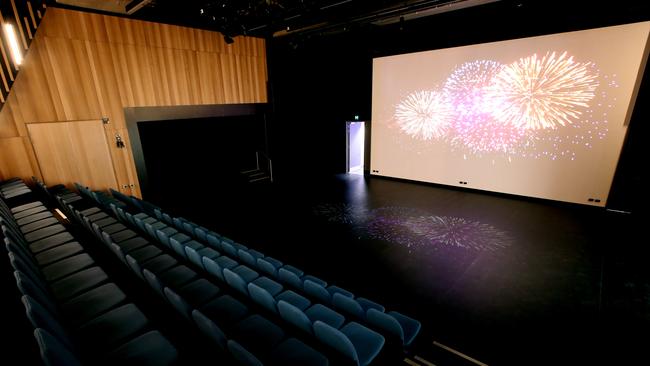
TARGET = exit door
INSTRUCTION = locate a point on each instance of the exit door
(356, 139)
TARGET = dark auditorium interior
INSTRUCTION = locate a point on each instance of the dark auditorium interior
(324, 182)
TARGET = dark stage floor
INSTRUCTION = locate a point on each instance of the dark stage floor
(507, 281)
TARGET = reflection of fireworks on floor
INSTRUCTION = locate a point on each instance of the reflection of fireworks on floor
(458, 232)
(387, 224)
(342, 213)
(416, 229)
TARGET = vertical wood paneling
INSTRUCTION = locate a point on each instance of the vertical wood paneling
(85, 66)
(68, 152)
(15, 160)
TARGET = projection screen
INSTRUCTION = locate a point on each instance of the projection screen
(541, 117)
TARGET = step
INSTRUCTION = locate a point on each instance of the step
(266, 177)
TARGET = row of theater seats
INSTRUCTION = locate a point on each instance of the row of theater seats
(308, 308)
(230, 323)
(79, 315)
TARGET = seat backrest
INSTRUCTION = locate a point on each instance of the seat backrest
(229, 249)
(40, 317)
(348, 305)
(385, 323)
(118, 251)
(26, 267)
(140, 223)
(135, 266)
(214, 241)
(335, 339)
(178, 223)
(235, 281)
(53, 352)
(246, 257)
(201, 233)
(242, 355)
(163, 238)
(153, 281)
(213, 268)
(167, 219)
(178, 302)
(27, 287)
(266, 267)
(295, 316)
(148, 228)
(193, 256)
(177, 247)
(317, 291)
(210, 329)
(189, 228)
(130, 218)
(289, 278)
(262, 297)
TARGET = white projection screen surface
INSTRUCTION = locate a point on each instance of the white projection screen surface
(541, 117)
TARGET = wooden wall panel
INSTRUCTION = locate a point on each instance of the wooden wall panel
(84, 66)
(69, 152)
(15, 160)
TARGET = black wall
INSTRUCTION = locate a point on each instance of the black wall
(319, 81)
(182, 154)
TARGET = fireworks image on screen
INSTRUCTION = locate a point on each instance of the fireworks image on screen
(424, 115)
(466, 89)
(581, 135)
(542, 92)
(530, 107)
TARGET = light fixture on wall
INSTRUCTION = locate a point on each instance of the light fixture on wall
(16, 54)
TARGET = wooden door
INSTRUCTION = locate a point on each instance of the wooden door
(76, 151)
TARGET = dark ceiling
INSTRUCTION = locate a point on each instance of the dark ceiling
(266, 18)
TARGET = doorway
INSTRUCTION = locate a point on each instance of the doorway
(356, 139)
(73, 151)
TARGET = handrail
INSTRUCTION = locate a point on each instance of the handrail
(269, 162)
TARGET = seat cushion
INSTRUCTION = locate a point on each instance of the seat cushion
(33, 218)
(177, 276)
(294, 299)
(44, 233)
(293, 352)
(95, 302)
(78, 283)
(146, 253)
(258, 334)
(132, 244)
(66, 267)
(225, 310)
(57, 253)
(50, 242)
(367, 342)
(269, 285)
(199, 292)
(151, 348)
(245, 273)
(113, 327)
(159, 264)
(326, 315)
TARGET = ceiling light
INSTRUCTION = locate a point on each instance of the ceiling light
(16, 55)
